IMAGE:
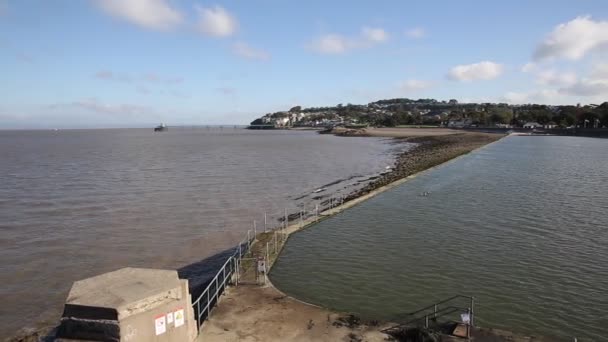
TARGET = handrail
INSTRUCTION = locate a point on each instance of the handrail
(425, 313)
(439, 303)
(434, 315)
(242, 248)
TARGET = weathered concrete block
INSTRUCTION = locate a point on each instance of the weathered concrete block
(131, 304)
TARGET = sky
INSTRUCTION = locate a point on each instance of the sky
(136, 63)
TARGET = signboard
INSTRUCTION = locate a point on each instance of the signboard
(159, 325)
(178, 317)
(170, 318)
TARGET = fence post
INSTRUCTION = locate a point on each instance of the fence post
(217, 292)
(198, 312)
(266, 263)
(301, 222)
(265, 222)
(286, 219)
(316, 212)
(472, 318)
(254, 229)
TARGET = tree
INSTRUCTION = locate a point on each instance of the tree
(295, 109)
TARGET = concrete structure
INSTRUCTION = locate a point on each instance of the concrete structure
(131, 304)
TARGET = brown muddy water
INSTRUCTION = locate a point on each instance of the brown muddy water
(76, 203)
(521, 224)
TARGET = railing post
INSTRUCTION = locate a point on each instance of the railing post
(301, 221)
(285, 223)
(255, 231)
(472, 313)
(435, 312)
(426, 321)
(198, 312)
(316, 212)
(217, 292)
(265, 222)
(208, 303)
(469, 325)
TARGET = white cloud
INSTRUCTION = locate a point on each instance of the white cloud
(374, 34)
(600, 71)
(587, 87)
(485, 70)
(412, 85)
(337, 44)
(244, 50)
(151, 14)
(554, 78)
(216, 21)
(528, 67)
(331, 44)
(574, 39)
(416, 33)
(545, 96)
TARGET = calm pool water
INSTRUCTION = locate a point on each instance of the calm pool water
(521, 224)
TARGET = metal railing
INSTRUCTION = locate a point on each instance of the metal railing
(230, 270)
(443, 308)
(209, 298)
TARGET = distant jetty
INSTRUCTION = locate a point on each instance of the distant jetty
(161, 128)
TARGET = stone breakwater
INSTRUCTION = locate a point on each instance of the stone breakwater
(430, 151)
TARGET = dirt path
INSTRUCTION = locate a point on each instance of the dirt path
(262, 313)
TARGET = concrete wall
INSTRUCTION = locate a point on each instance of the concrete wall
(130, 305)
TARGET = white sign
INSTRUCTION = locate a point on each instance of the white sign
(159, 324)
(261, 266)
(179, 317)
(465, 318)
(170, 318)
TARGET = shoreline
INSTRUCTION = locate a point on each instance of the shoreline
(294, 311)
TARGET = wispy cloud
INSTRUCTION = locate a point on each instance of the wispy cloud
(227, 90)
(374, 34)
(416, 33)
(574, 39)
(485, 70)
(150, 14)
(413, 85)
(24, 58)
(333, 43)
(537, 96)
(108, 75)
(96, 106)
(216, 21)
(553, 77)
(244, 50)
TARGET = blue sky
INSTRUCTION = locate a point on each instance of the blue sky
(113, 63)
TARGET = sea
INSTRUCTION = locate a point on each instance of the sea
(78, 203)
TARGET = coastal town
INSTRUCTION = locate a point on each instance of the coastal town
(452, 113)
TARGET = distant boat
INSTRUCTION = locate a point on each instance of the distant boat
(161, 128)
